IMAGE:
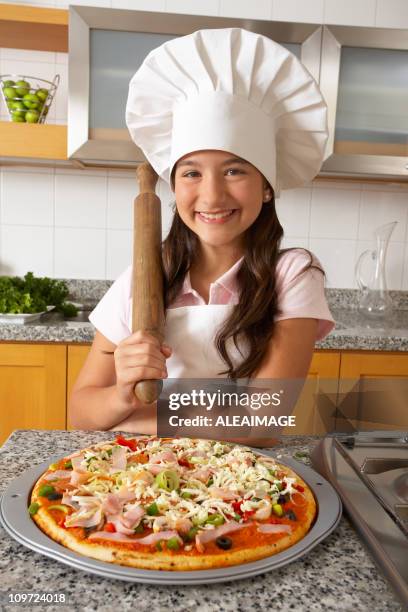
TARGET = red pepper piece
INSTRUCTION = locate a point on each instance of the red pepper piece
(299, 488)
(132, 444)
(110, 527)
(237, 507)
(247, 514)
(184, 462)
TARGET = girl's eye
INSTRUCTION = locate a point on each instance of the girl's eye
(191, 173)
(234, 171)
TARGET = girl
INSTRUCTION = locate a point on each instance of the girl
(236, 305)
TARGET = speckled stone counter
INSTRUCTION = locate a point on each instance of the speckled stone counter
(339, 574)
(352, 332)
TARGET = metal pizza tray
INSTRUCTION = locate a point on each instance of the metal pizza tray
(17, 522)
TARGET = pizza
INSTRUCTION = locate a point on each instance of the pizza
(172, 503)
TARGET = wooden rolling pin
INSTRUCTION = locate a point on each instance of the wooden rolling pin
(147, 276)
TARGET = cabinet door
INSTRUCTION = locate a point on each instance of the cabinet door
(316, 407)
(32, 387)
(373, 390)
(77, 355)
(364, 75)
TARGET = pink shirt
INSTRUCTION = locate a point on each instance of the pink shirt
(298, 297)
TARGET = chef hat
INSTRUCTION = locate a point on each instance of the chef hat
(230, 90)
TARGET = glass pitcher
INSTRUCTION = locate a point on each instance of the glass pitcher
(374, 299)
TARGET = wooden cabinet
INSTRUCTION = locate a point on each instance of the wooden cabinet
(77, 355)
(373, 390)
(316, 407)
(32, 387)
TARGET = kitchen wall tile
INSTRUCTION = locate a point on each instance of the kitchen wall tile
(80, 201)
(295, 241)
(298, 10)
(293, 209)
(64, 4)
(61, 58)
(261, 9)
(29, 200)
(121, 194)
(392, 14)
(394, 263)
(119, 247)
(197, 7)
(36, 57)
(26, 248)
(336, 184)
(140, 5)
(334, 213)
(350, 12)
(99, 172)
(80, 253)
(338, 259)
(378, 208)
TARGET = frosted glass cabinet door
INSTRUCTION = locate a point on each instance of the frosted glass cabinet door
(106, 48)
(364, 78)
(114, 59)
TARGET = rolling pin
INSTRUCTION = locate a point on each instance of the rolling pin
(147, 274)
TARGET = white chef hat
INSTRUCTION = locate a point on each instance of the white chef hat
(230, 90)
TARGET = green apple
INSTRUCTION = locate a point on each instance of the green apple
(17, 119)
(32, 116)
(8, 83)
(42, 94)
(18, 109)
(31, 101)
(22, 88)
(10, 92)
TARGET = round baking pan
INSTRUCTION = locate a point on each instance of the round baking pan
(17, 522)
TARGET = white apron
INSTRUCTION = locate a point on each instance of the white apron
(190, 331)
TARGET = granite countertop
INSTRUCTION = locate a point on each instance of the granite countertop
(352, 332)
(339, 574)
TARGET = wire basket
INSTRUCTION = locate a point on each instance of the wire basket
(28, 99)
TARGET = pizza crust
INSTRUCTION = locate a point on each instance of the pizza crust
(122, 554)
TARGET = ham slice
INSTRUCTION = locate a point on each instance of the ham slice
(118, 458)
(77, 461)
(58, 475)
(146, 541)
(166, 456)
(78, 478)
(212, 534)
(132, 517)
(112, 504)
(274, 528)
(88, 518)
(219, 493)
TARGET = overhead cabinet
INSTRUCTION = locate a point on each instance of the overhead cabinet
(107, 46)
(364, 78)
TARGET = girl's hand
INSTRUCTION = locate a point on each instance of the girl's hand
(140, 356)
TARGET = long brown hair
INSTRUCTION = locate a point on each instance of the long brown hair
(252, 319)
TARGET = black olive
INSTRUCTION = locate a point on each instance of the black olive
(224, 542)
(54, 496)
(282, 499)
(291, 515)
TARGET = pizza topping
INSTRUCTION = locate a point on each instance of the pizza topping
(132, 444)
(58, 474)
(60, 507)
(167, 480)
(109, 527)
(204, 537)
(277, 509)
(33, 508)
(274, 528)
(85, 517)
(291, 515)
(46, 490)
(224, 542)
